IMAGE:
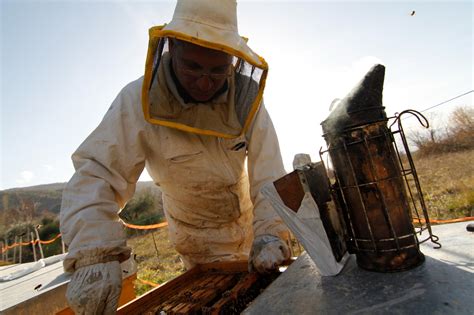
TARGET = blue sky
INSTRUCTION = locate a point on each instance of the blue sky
(63, 63)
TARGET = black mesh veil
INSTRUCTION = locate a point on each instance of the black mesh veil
(227, 116)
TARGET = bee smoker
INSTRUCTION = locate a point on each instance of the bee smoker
(379, 198)
(378, 212)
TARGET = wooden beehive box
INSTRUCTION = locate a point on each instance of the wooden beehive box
(215, 288)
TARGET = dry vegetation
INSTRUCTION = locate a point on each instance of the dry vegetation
(444, 161)
(157, 260)
(447, 181)
(456, 136)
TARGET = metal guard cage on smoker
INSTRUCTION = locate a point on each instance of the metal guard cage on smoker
(375, 187)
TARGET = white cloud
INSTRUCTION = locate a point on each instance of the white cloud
(25, 177)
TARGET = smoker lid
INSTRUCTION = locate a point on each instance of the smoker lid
(361, 106)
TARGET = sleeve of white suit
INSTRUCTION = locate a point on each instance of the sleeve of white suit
(264, 165)
(108, 164)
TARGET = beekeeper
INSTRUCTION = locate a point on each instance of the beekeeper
(193, 121)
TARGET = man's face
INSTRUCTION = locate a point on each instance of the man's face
(201, 71)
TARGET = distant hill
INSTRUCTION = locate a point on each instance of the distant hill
(53, 186)
(48, 197)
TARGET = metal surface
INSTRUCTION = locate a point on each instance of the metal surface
(375, 203)
(361, 106)
(43, 290)
(371, 181)
(444, 284)
(418, 205)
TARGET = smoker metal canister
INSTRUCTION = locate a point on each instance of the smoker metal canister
(369, 184)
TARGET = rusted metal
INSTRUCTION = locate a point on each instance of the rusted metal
(370, 184)
(375, 201)
(410, 176)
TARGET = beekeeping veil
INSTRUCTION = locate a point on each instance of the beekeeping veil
(210, 24)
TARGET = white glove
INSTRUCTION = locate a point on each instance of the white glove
(267, 254)
(95, 289)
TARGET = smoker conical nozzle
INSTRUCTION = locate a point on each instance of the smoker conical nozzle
(361, 106)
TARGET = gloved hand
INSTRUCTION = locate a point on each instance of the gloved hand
(95, 289)
(267, 253)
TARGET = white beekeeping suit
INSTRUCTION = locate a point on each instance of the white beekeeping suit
(196, 153)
